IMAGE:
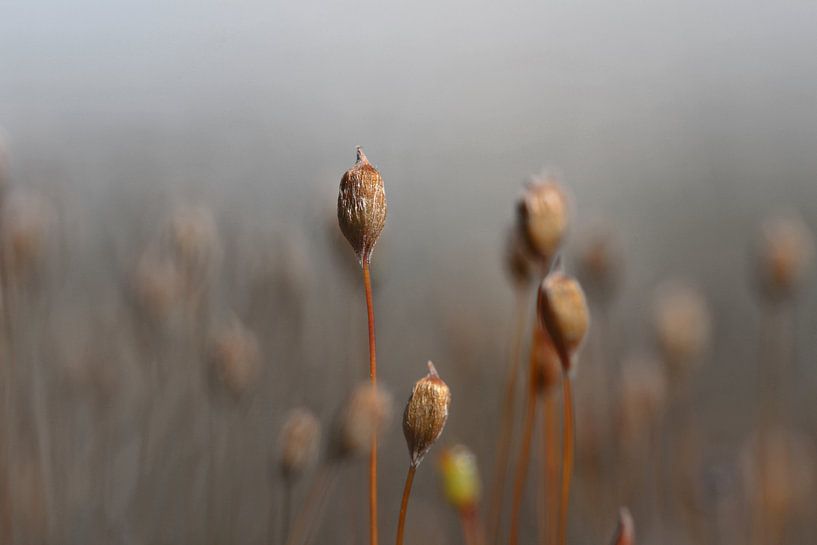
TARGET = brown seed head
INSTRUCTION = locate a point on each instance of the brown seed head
(194, 237)
(599, 264)
(682, 325)
(542, 216)
(625, 532)
(563, 312)
(367, 413)
(362, 206)
(298, 442)
(425, 414)
(236, 358)
(26, 220)
(642, 398)
(785, 249)
(157, 285)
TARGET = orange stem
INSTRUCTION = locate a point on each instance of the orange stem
(367, 283)
(551, 466)
(506, 429)
(401, 523)
(567, 457)
(522, 464)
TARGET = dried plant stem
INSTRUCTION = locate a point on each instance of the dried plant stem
(401, 523)
(367, 283)
(507, 420)
(522, 464)
(567, 457)
(551, 472)
(286, 507)
(308, 518)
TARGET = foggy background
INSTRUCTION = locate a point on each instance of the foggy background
(681, 124)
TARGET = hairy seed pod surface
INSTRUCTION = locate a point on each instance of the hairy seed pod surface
(298, 442)
(425, 414)
(542, 215)
(367, 412)
(362, 206)
(461, 484)
(563, 310)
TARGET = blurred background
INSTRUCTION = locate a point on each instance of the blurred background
(170, 180)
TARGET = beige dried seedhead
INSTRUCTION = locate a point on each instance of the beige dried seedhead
(298, 442)
(362, 206)
(785, 249)
(367, 412)
(599, 263)
(682, 325)
(235, 358)
(425, 414)
(642, 398)
(458, 465)
(542, 216)
(157, 284)
(194, 237)
(563, 312)
(26, 220)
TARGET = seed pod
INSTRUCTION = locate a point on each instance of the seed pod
(157, 285)
(599, 264)
(367, 412)
(625, 532)
(195, 241)
(542, 216)
(785, 248)
(460, 477)
(235, 357)
(362, 206)
(682, 324)
(26, 219)
(563, 312)
(642, 396)
(425, 414)
(298, 442)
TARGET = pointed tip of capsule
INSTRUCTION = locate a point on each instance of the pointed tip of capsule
(361, 157)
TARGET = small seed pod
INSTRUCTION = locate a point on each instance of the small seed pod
(157, 285)
(518, 262)
(362, 206)
(298, 442)
(599, 264)
(682, 325)
(461, 483)
(367, 412)
(542, 216)
(195, 240)
(563, 312)
(26, 220)
(642, 397)
(235, 358)
(625, 532)
(785, 248)
(425, 414)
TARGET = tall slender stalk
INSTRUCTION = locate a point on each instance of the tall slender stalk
(507, 420)
(522, 464)
(367, 283)
(551, 472)
(401, 523)
(567, 457)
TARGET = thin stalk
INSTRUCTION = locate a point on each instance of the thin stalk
(367, 283)
(286, 507)
(401, 523)
(471, 528)
(306, 520)
(507, 420)
(522, 464)
(567, 456)
(551, 472)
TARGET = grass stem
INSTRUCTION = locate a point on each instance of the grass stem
(401, 523)
(367, 283)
